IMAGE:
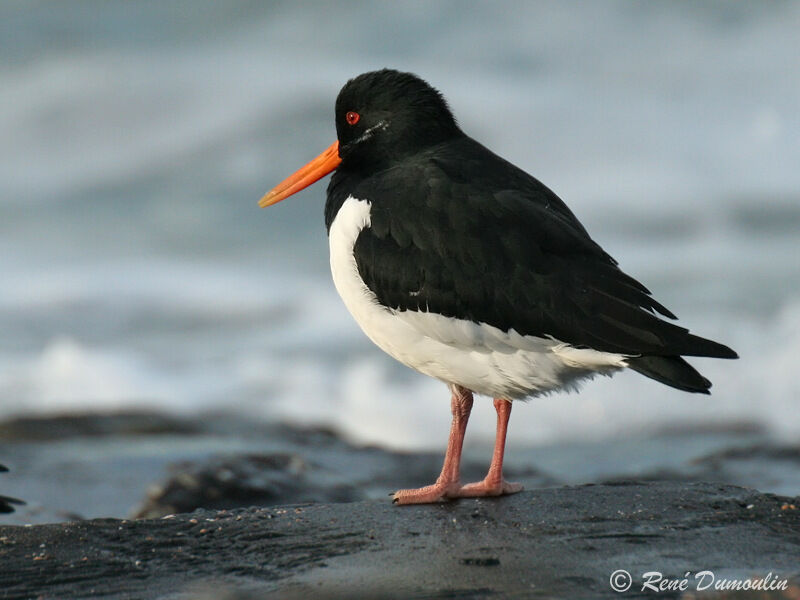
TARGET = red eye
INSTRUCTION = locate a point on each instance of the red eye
(352, 117)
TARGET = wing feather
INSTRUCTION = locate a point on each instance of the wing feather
(498, 247)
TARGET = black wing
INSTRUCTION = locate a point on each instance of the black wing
(463, 233)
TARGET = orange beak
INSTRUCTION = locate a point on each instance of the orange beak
(304, 177)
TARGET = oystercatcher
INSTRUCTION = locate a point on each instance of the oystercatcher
(464, 267)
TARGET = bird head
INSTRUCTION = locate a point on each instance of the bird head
(381, 116)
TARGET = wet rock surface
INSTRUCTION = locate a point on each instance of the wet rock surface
(142, 464)
(556, 542)
(670, 502)
(236, 481)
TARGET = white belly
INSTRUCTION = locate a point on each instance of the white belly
(477, 356)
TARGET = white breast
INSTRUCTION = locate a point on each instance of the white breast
(482, 358)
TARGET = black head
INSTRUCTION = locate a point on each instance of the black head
(381, 117)
(385, 115)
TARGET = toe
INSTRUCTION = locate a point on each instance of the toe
(438, 492)
(486, 488)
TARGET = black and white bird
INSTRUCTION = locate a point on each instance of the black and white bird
(464, 267)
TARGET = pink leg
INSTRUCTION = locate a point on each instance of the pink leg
(448, 483)
(494, 484)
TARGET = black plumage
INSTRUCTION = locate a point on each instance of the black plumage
(457, 230)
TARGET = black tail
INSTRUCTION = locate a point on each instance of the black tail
(672, 371)
(694, 345)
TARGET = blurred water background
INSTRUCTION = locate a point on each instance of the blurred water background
(136, 137)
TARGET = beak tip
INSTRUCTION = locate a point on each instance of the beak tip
(313, 171)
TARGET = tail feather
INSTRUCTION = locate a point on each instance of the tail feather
(672, 371)
(694, 345)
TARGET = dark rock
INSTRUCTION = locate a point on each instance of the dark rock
(57, 427)
(237, 481)
(101, 465)
(551, 543)
(763, 466)
(73, 467)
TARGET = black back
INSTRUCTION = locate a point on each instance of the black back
(458, 231)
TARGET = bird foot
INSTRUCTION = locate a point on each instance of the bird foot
(440, 492)
(489, 488)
